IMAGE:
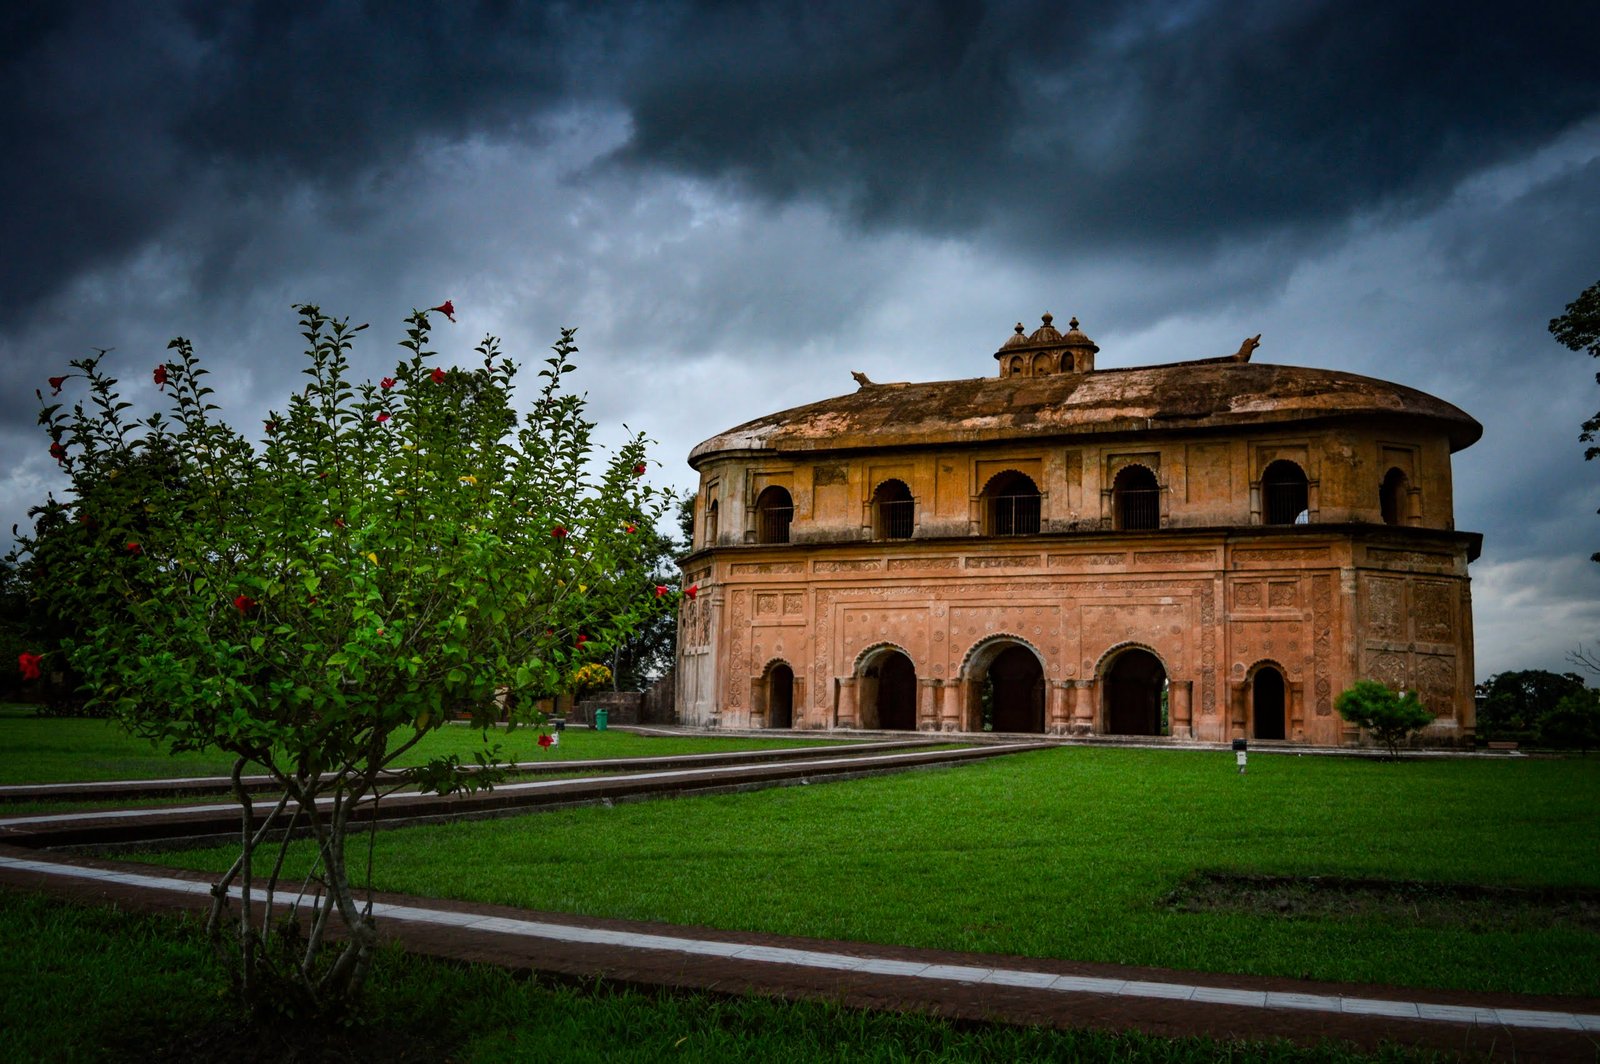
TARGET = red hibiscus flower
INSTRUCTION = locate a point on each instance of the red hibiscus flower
(134, 548)
(338, 522)
(384, 416)
(160, 376)
(58, 452)
(638, 470)
(582, 639)
(386, 383)
(447, 308)
(29, 664)
(244, 603)
(271, 426)
(55, 385)
(692, 590)
(630, 529)
(545, 741)
(437, 376)
(560, 531)
(661, 590)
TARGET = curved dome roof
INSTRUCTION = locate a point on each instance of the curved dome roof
(1184, 396)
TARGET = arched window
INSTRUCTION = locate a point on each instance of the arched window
(893, 511)
(1016, 365)
(1041, 365)
(1392, 496)
(1136, 499)
(1284, 494)
(1011, 505)
(774, 509)
(711, 523)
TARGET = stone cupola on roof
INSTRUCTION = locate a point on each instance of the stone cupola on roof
(1047, 351)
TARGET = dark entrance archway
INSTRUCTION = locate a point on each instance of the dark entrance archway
(780, 697)
(896, 701)
(1014, 686)
(1134, 684)
(1267, 704)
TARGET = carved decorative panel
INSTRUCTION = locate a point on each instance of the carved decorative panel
(924, 563)
(1002, 561)
(1282, 594)
(1085, 561)
(1173, 557)
(1246, 596)
(1410, 559)
(1387, 667)
(756, 568)
(794, 603)
(1281, 555)
(738, 657)
(1386, 609)
(1436, 683)
(1322, 641)
(863, 565)
(1431, 614)
(768, 603)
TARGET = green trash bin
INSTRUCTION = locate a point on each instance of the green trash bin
(600, 720)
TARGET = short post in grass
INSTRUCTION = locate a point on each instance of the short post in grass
(1240, 749)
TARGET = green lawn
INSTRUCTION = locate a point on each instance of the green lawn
(1068, 853)
(85, 983)
(68, 749)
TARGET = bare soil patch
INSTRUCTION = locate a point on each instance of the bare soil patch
(1454, 906)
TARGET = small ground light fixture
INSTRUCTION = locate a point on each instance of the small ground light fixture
(1240, 748)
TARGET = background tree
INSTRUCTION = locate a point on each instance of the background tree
(1579, 329)
(649, 653)
(1389, 717)
(387, 556)
(1574, 722)
(1514, 703)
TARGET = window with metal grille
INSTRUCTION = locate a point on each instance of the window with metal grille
(1284, 494)
(774, 510)
(1136, 499)
(893, 511)
(1011, 505)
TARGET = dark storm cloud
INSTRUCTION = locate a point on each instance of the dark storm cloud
(1056, 122)
(122, 118)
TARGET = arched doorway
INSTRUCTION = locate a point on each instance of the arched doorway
(1013, 690)
(1284, 494)
(889, 693)
(774, 510)
(780, 696)
(1136, 499)
(1134, 686)
(1392, 497)
(1011, 505)
(1267, 704)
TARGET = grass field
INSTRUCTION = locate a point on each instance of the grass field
(1073, 853)
(37, 749)
(80, 983)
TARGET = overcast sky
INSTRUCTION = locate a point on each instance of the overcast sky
(739, 203)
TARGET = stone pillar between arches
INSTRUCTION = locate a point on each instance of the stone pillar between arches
(928, 704)
(1297, 712)
(1058, 698)
(1180, 708)
(1083, 708)
(950, 706)
(847, 702)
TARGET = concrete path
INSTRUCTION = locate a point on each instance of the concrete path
(121, 827)
(968, 986)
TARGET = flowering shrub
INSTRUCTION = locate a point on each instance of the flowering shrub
(590, 675)
(316, 601)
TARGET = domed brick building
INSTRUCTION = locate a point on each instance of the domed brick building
(1203, 550)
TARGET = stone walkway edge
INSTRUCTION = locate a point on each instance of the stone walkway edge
(1483, 1015)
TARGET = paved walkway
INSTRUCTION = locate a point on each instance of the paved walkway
(968, 986)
